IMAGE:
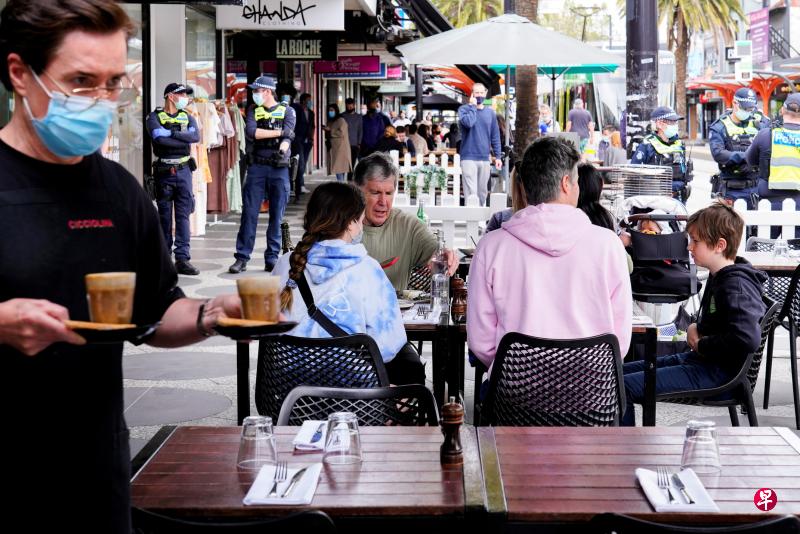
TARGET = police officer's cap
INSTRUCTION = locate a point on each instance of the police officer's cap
(793, 102)
(746, 98)
(174, 88)
(264, 82)
(665, 113)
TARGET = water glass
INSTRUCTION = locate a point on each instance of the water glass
(343, 443)
(701, 448)
(781, 249)
(257, 446)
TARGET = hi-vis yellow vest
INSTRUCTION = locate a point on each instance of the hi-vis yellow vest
(784, 163)
(180, 120)
(277, 114)
(734, 129)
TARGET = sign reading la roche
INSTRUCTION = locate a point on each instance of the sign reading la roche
(282, 15)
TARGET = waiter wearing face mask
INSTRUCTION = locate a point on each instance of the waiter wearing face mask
(664, 148)
(173, 131)
(729, 138)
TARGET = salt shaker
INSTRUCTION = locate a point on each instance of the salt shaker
(451, 454)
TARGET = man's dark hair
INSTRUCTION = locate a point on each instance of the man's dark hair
(35, 29)
(400, 129)
(304, 97)
(376, 166)
(544, 163)
(348, 101)
(412, 129)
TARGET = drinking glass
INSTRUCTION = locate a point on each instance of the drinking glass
(700, 448)
(781, 249)
(257, 444)
(343, 443)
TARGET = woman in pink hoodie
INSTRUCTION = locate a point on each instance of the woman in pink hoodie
(548, 272)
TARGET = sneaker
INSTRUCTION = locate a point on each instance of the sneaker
(184, 267)
(269, 266)
(304, 190)
(238, 266)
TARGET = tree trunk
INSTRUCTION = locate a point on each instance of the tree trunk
(681, 60)
(527, 121)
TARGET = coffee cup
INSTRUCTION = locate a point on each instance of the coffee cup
(110, 297)
(260, 298)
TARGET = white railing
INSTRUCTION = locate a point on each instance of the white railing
(450, 213)
(765, 216)
(451, 167)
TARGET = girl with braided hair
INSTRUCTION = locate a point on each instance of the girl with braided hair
(348, 286)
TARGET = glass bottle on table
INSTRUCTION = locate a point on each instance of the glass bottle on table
(440, 281)
(421, 215)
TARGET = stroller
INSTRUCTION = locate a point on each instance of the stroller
(664, 278)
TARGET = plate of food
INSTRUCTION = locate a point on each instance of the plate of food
(413, 294)
(96, 333)
(405, 304)
(243, 329)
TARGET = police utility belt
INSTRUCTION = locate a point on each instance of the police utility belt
(276, 159)
(172, 165)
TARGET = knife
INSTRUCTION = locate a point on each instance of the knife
(682, 487)
(295, 479)
(318, 433)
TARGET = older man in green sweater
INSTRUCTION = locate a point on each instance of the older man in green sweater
(388, 232)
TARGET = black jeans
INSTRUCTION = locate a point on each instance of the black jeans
(406, 367)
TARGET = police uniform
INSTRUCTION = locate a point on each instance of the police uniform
(670, 153)
(776, 153)
(728, 142)
(172, 171)
(267, 176)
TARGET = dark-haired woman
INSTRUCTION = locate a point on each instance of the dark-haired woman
(591, 185)
(338, 144)
(348, 286)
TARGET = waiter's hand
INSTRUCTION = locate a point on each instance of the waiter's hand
(284, 146)
(229, 305)
(30, 326)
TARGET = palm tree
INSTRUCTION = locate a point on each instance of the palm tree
(465, 12)
(685, 17)
(527, 123)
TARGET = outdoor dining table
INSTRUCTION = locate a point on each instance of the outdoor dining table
(193, 475)
(773, 266)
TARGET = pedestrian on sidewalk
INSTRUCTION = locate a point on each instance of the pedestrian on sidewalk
(480, 137)
(337, 144)
(355, 131)
(303, 140)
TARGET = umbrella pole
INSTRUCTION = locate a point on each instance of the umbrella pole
(506, 161)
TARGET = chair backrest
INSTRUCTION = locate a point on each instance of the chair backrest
(769, 318)
(623, 524)
(285, 362)
(759, 244)
(555, 382)
(411, 405)
(791, 304)
(420, 278)
(147, 522)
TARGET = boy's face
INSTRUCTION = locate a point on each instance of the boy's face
(703, 255)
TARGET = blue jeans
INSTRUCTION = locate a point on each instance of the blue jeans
(678, 372)
(298, 149)
(273, 182)
(340, 176)
(175, 189)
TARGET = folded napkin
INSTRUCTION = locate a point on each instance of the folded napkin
(303, 492)
(302, 441)
(658, 496)
(410, 316)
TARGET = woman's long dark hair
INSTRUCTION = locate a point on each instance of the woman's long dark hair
(591, 184)
(331, 209)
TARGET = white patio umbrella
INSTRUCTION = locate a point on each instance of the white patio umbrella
(506, 40)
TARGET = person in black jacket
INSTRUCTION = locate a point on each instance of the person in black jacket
(727, 329)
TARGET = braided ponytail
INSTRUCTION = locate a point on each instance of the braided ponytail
(297, 264)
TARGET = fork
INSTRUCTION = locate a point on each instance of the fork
(663, 482)
(280, 475)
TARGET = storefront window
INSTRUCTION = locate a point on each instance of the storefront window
(125, 140)
(201, 53)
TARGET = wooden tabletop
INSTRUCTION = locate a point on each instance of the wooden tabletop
(194, 474)
(765, 261)
(570, 474)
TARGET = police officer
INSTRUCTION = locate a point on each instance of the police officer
(173, 131)
(270, 129)
(730, 137)
(664, 148)
(776, 153)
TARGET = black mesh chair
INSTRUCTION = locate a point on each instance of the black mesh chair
(285, 362)
(555, 382)
(411, 405)
(739, 390)
(420, 278)
(623, 524)
(776, 286)
(146, 522)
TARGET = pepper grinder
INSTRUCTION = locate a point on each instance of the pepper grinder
(458, 308)
(451, 454)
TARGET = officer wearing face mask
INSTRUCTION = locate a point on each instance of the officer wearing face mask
(729, 138)
(270, 127)
(173, 131)
(664, 148)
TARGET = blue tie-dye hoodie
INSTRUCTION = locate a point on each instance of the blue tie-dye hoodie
(352, 290)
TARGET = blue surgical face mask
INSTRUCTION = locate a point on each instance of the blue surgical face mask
(182, 103)
(742, 114)
(480, 99)
(671, 131)
(309, 104)
(285, 99)
(331, 114)
(73, 126)
(258, 98)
